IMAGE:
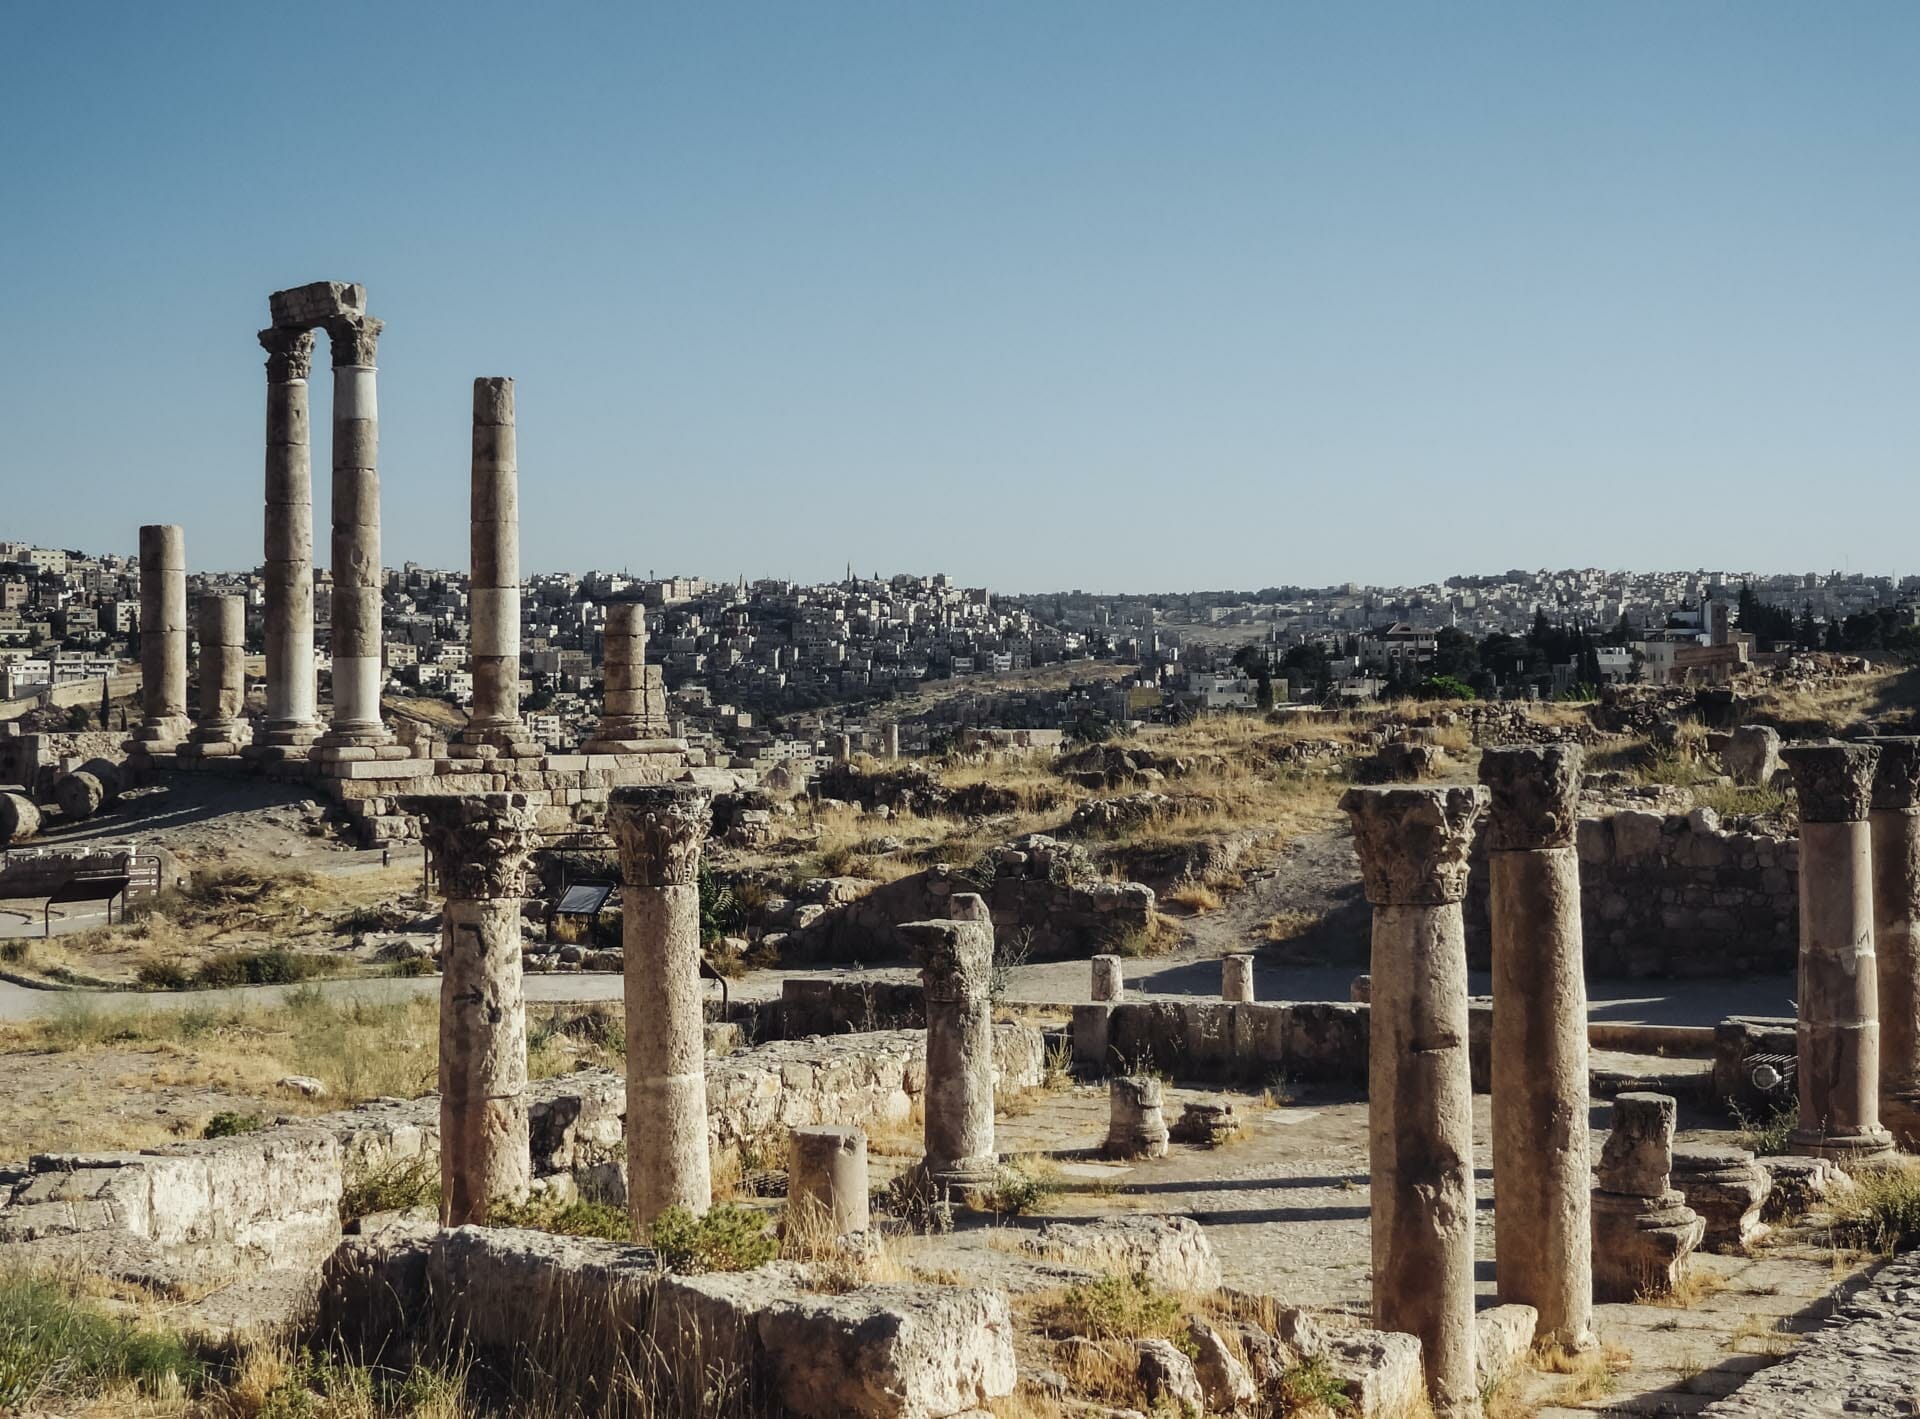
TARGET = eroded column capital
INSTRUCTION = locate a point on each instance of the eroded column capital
(1535, 792)
(1896, 777)
(659, 829)
(289, 353)
(353, 339)
(1833, 780)
(1413, 842)
(956, 957)
(480, 843)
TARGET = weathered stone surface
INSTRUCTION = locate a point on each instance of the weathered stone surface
(1206, 1123)
(1503, 1336)
(1640, 1244)
(1752, 755)
(1728, 1189)
(1136, 1124)
(1637, 1160)
(1833, 780)
(1534, 798)
(956, 961)
(1167, 1376)
(1224, 1381)
(1380, 1369)
(1799, 1184)
(1173, 1252)
(1859, 1362)
(19, 818)
(1413, 842)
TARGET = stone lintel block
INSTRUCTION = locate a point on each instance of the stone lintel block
(395, 769)
(303, 307)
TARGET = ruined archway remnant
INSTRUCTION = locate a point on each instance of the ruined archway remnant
(660, 830)
(1413, 845)
(340, 308)
(1839, 1025)
(1893, 823)
(494, 725)
(1542, 1158)
(480, 845)
(956, 967)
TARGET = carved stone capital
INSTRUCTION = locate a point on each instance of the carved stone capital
(1896, 778)
(956, 958)
(659, 829)
(1536, 795)
(353, 339)
(1414, 842)
(479, 842)
(1834, 780)
(289, 353)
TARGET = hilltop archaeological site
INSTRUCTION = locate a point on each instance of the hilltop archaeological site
(1223, 1052)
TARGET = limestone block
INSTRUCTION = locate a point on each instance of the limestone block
(1225, 1384)
(1136, 1125)
(889, 1352)
(1640, 1244)
(1173, 1252)
(1503, 1336)
(1728, 1189)
(1752, 754)
(1167, 1376)
(19, 818)
(1800, 1184)
(79, 794)
(1638, 1155)
(1380, 1369)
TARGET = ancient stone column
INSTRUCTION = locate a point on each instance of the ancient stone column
(1894, 826)
(494, 654)
(480, 845)
(358, 671)
(660, 829)
(1136, 1117)
(956, 963)
(1236, 978)
(1839, 1026)
(827, 1176)
(289, 561)
(1109, 980)
(222, 624)
(893, 740)
(1542, 1163)
(624, 722)
(1413, 845)
(163, 636)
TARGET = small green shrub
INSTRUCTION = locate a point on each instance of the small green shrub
(1767, 1136)
(227, 1124)
(271, 965)
(55, 1348)
(1311, 1383)
(1013, 1193)
(163, 975)
(410, 966)
(1122, 1308)
(391, 1187)
(1883, 1214)
(724, 1239)
(567, 1219)
(321, 1387)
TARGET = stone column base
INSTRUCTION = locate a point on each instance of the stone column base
(355, 736)
(286, 734)
(210, 749)
(168, 731)
(1873, 1146)
(1641, 1244)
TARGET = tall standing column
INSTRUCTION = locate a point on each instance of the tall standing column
(624, 722)
(956, 968)
(1413, 845)
(495, 578)
(660, 830)
(358, 672)
(1894, 826)
(163, 636)
(480, 845)
(222, 624)
(289, 545)
(1542, 1157)
(1839, 1026)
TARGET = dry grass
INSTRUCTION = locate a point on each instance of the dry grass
(1763, 1334)
(1591, 1374)
(899, 1138)
(1695, 1285)
(1195, 897)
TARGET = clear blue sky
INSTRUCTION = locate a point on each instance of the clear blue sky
(1043, 294)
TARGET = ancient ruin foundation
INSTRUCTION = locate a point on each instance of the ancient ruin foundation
(223, 673)
(1894, 825)
(480, 845)
(1541, 1163)
(1413, 845)
(1839, 1027)
(163, 636)
(660, 830)
(495, 588)
(956, 962)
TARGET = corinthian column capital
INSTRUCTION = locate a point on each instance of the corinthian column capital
(289, 353)
(660, 829)
(353, 339)
(479, 843)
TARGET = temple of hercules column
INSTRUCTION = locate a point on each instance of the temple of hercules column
(221, 629)
(1413, 845)
(1838, 1032)
(1893, 823)
(1542, 1157)
(163, 639)
(494, 727)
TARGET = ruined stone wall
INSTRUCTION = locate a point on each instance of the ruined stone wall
(33, 760)
(1065, 919)
(1666, 895)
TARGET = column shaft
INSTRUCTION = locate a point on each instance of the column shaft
(1894, 825)
(222, 623)
(623, 669)
(163, 635)
(289, 541)
(494, 655)
(358, 671)
(956, 965)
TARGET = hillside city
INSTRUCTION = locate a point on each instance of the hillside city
(763, 669)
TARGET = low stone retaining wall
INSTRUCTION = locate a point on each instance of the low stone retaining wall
(583, 1315)
(1860, 1362)
(1320, 1041)
(810, 1006)
(1665, 895)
